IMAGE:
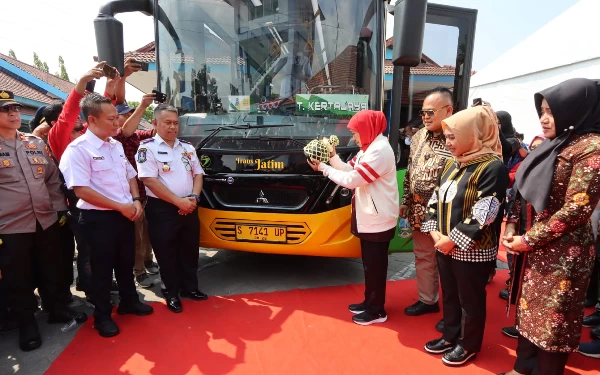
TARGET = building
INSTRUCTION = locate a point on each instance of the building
(32, 87)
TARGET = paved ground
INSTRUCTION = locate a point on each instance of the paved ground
(221, 273)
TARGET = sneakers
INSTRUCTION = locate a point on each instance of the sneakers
(503, 294)
(511, 332)
(144, 281)
(595, 333)
(357, 308)
(590, 349)
(366, 318)
(151, 267)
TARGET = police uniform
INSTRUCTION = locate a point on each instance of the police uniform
(30, 255)
(102, 166)
(174, 237)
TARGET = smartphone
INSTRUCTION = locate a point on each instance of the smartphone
(109, 71)
(160, 97)
(477, 101)
(143, 65)
(90, 86)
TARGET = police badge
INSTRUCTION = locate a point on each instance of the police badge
(141, 155)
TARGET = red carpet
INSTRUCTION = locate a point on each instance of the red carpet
(295, 332)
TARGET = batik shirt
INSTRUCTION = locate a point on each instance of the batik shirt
(465, 206)
(428, 155)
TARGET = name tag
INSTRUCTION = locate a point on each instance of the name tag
(4, 154)
(163, 153)
(34, 152)
(98, 157)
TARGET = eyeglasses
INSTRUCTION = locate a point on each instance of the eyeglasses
(10, 108)
(431, 112)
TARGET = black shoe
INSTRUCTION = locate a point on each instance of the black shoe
(595, 333)
(174, 304)
(357, 308)
(366, 318)
(458, 356)
(151, 267)
(106, 327)
(590, 349)
(590, 302)
(65, 316)
(592, 320)
(438, 346)
(440, 326)
(511, 332)
(29, 334)
(196, 295)
(504, 294)
(136, 308)
(421, 308)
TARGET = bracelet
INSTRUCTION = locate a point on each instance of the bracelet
(195, 196)
(137, 199)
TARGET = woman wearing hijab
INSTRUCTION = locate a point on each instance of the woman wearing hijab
(375, 205)
(462, 217)
(536, 141)
(559, 181)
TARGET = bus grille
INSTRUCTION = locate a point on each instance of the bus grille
(225, 229)
(256, 197)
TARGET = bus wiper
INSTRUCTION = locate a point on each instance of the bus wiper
(236, 127)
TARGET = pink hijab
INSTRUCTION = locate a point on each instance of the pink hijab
(368, 124)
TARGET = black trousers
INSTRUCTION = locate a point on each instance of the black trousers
(84, 267)
(67, 246)
(375, 264)
(111, 237)
(32, 260)
(464, 299)
(531, 360)
(175, 240)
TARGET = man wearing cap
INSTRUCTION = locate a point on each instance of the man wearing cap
(170, 169)
(130, 138)
(30, 252)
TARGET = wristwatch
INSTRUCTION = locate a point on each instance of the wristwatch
(137, 199)
(196, 197)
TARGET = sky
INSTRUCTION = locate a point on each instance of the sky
(65, 27)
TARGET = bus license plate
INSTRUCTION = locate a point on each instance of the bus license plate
(260, 233)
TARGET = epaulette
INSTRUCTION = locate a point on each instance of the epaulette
(147, 141)
(186, 142)
(29, 135)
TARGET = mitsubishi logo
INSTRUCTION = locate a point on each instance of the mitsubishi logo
(261, 198)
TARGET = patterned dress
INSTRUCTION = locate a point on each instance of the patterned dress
(556, 273)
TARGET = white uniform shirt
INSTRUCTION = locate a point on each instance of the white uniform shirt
(174, 167)
(90, 161)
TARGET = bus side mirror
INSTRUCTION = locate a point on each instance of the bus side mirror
(409, 27)
(109, 41)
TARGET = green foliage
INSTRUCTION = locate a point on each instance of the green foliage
(41, 65)
(11, 53)
(148, 113)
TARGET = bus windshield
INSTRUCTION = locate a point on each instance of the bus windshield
(308, 65)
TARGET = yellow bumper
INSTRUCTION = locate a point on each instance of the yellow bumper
(326, 234)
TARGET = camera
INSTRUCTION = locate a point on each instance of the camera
(477, 101)
(143, 65)
(160, 97)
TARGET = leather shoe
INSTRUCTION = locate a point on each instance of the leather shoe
(65, 316)
(592, 320)
(511, 332)
(174, 304)
(196, 295)
(504, 294)
(106, 327)
(458, 356)
(29, 334)
(440, 326)
(136, 308)
(438, 346)
(420, 308)
(595, 333)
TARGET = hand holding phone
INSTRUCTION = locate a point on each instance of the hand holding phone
(109, 71)
(159, 97)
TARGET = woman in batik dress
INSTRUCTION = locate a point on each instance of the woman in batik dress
(560, 181)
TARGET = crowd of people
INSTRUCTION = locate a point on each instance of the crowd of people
(74, 180)
(85, 175)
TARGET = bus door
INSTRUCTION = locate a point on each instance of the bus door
(446, 61)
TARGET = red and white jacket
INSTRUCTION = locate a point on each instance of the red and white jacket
(373, 174)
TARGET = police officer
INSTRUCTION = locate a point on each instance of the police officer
(31, 198)
(95, 167)
(171, 172)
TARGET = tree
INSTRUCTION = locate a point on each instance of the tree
(63, 70)
(205, 90)
(11, 53)
(148, 113)
(39, 63)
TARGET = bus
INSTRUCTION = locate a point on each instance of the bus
(256, 80)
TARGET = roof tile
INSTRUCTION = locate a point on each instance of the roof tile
(61, 84)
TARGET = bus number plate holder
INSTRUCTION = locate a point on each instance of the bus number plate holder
(260, 233)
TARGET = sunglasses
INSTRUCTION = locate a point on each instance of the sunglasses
(431, 112)
(10, 108)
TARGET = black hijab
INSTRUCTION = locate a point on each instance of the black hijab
(510, 144)
(506, 126)
(575, 106)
